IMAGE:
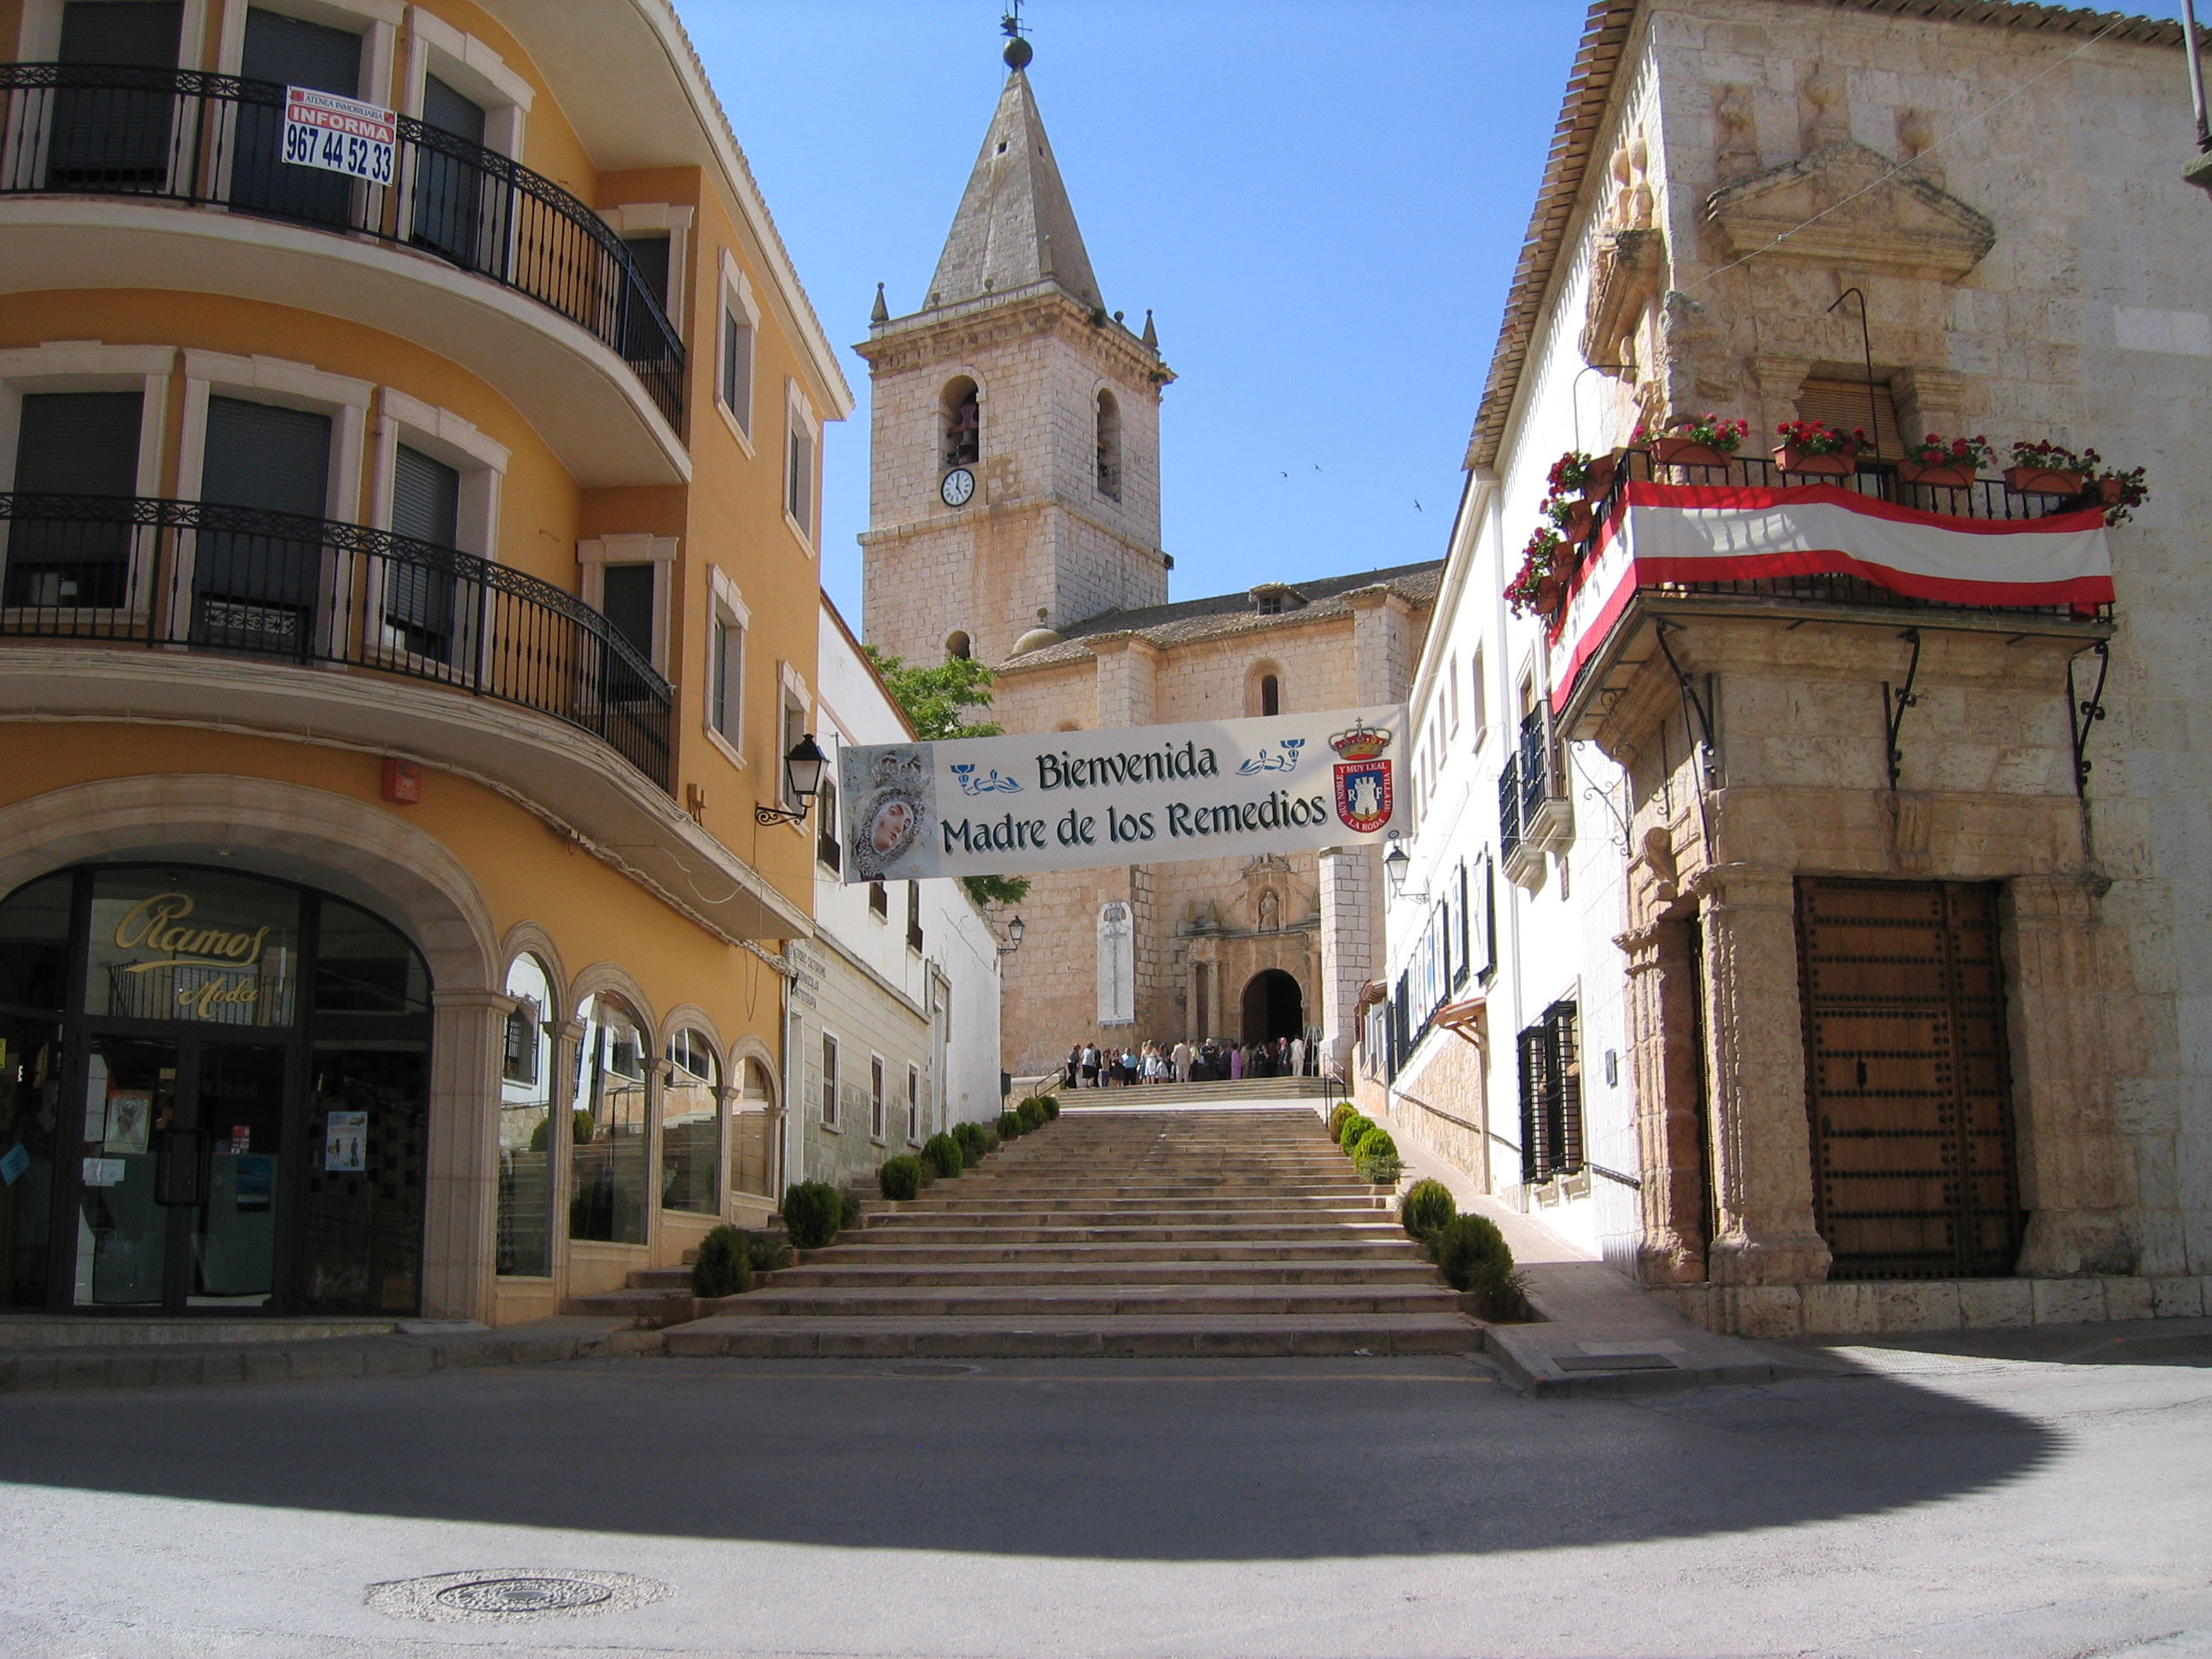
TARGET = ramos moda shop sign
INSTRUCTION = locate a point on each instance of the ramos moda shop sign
(1149, 795)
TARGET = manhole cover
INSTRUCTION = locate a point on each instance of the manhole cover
(488, 1597)
(925, 1369)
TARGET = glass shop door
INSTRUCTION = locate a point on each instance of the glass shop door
(181, 1175)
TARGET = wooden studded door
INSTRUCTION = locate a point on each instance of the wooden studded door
(1907, 1085)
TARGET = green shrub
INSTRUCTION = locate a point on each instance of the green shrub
(1348, 1132)
(1010, 1125)
(1031, 1114)
(899, 1178)
(1473, 1256)
(1374, 1143)
(1427, 1209)
(767, 1251)
(1341, 1110)
(1051, 1105)
(814, 1212)
(1383, 1170)
(848, 1208)
(975, 1140)
(724, 1265)
(944, 1156)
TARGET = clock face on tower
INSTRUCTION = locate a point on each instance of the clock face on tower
(958, 487)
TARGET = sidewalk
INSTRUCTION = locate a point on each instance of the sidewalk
(1600, 1334)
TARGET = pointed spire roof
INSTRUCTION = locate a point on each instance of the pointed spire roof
(1015, 226)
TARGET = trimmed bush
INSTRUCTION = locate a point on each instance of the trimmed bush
(1011, 1125)
(1474, 1257)
(975, 1142)
(1426, 1210)
(1348, 1132)
(1031, 1113)
(944, 1156)
(724, 1265)
(1051, 1105)
(1382, 1170)
(813, 1212)
(899, 1178)
(1374, 1143)
(767, 1251)
(1338, 1113)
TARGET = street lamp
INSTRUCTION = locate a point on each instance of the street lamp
(802, 777)
(1397, 865)
(1015, 929)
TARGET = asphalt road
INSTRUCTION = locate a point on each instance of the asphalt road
(1938, 1505)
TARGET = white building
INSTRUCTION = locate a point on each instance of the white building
(1816, 932)
(895, 1008)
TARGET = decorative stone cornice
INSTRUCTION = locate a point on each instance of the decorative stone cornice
(952, 331)
(1846, 205)
(1628, 271)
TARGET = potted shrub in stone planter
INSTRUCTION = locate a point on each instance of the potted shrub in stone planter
(1815, 446)
(2045, 469)
(1693, 440)
(1948, 463)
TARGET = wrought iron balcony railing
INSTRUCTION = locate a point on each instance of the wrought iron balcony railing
(215, 140)
(1527, 784)
(234, 579)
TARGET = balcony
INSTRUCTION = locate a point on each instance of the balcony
(1670, 543)
(465, 250)
(237, 583)
(1533, 816)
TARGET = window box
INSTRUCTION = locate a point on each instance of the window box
(1837, 463)
(2042, 481)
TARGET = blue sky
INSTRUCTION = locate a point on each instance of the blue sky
(1321, 201)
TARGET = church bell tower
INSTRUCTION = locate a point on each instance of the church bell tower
(1014, 439)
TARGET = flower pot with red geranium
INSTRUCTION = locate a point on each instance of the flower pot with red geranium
(2046, 469)
(1693, 440)
(1573, 520)
(1945, 463)
(1588, 475)
(1815, 446)
(1536, 587)
(2119, 492)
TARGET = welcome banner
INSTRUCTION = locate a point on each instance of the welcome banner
(1149, 795)
(1662, 533)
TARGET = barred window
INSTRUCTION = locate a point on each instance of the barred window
(1551, 1096)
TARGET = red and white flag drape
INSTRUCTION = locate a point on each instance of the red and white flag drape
(1659, 533)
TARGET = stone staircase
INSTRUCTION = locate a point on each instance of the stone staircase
(1127, 1228)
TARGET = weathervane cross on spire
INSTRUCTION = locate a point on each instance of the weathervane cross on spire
(1018, 51)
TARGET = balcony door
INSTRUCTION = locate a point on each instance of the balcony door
(418, 591)
(255, 585)
(288, 51)
(106, 134)
(73, 443)
(449, 187)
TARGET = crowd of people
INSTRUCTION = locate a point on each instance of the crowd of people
(1094, 1065)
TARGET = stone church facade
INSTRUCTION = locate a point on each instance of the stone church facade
(1014, 518)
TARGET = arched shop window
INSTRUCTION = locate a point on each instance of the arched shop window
(690, 1125)
(610, 1125)
(526, 1129)
(753, 1149)
(226, 1109)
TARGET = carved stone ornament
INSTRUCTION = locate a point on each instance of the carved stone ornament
(1624, 279)
(1870, 219)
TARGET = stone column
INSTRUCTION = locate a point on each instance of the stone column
(1755, 1081)
(2076, 1180)
(460, 1195)
(1661, 994)
(728, 1105)
(1351, 921)
(1128, 664)
(1383, 646)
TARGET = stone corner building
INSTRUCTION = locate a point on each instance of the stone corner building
(1839, 975)
(1014, 518)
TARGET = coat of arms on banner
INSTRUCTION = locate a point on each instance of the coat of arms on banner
(1364, 798)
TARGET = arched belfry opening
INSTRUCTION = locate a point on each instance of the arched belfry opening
(1273, 1007)
(1109, 445)
(962, 423)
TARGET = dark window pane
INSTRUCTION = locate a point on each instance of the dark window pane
(73, 443)
(114, 139)
(289, 53)
(128, 33)
(34, 931)
(30, 1118)
(418, 595)
(361, 1243)
(627, 598)
(365, 966)
(451, 112)
(255, 590)
(450, 189)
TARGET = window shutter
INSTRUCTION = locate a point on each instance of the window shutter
(426, 499)
(448, 111)
(626, 597)
(826, 848)
(261, 456)
(737, 370)
(295, 53)
(78, 443)
(132, 33)
(1842, 405)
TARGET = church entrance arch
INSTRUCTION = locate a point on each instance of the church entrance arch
(1273, 1007)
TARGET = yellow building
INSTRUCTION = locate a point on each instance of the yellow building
(409, 597)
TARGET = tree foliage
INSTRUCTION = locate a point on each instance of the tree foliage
(937, 701)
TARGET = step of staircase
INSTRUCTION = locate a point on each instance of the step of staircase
(1175, 1229)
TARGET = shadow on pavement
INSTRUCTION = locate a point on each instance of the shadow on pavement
(1206, 1464)
(2128, 1342)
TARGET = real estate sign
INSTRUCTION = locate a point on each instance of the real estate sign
(1148, 794)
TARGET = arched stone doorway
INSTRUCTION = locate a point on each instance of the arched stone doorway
(1273, 1007)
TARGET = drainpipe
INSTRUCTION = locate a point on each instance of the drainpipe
(2198, 172)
